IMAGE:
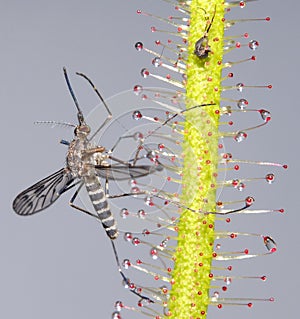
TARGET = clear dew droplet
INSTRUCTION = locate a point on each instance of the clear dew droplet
(116, 315)
(227, 280)
(242, 104)
(164, 243)
(134, 189)
(265, 115)
(145, 73)
(126, 263)
(253, 44)
(163, 289)
(235, 183)
(137, 115)
(216, 294)
(270, 178)
(146, 232)
(239, 87)
(249, 200)
(124, 213)
(141, 214)
(160, 146)
(270, 244)
(139, 46)
(149, 201)
(135, 241)
(156, 62)
(119, 305)
(241, 187)
(137, 89)
(240, 136)
(154, 253)
(128, 236)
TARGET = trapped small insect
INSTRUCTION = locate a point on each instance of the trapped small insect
(202, 47)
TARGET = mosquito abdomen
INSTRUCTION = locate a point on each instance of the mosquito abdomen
(99, 201)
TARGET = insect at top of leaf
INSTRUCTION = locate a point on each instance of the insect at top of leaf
(202, 48)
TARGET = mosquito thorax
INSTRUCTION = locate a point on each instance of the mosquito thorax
(78, 159)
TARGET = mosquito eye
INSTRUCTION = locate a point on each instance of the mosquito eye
(85, 129)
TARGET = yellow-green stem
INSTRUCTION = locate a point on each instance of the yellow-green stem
(189, 297)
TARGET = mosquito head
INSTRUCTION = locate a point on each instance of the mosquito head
(79, 112)
(82, 130)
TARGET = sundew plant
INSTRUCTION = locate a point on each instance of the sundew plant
(163, 178)
(185, 132)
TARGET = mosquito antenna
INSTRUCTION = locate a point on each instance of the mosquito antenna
(79, 112)
(55, 123)
(102, 100)
(203, 10)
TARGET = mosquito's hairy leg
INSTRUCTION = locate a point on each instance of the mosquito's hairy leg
(119, 140)
(109, 116)
(125, 278)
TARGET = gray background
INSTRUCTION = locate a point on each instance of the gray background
(60, 264)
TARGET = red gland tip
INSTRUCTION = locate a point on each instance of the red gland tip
(263, 278)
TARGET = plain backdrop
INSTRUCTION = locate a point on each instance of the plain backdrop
(59, 264)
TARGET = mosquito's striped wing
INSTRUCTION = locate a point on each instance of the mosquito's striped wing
(123, 172)
(42, 194)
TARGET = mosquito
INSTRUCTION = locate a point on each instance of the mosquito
(202, 48)
(85, 163)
